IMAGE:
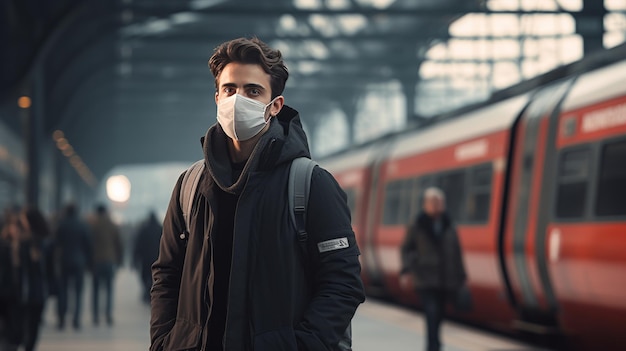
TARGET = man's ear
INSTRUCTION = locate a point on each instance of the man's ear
(277, 105)
(216, 94)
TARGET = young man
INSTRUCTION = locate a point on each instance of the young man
(238, 280)
(431, 255)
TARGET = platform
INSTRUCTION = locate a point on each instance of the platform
(377, 326)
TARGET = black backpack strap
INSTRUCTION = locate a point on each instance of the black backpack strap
(300, 174)
(188, 189)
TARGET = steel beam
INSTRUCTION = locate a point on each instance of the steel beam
(267, 11)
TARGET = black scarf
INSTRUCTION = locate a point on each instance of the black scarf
(427, 224)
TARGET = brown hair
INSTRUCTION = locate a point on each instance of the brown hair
(251, 51)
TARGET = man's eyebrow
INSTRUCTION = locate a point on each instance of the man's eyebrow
(254, 85)
(247, 86)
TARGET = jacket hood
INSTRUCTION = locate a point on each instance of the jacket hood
(284, 141)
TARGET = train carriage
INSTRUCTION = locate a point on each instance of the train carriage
(536, 183)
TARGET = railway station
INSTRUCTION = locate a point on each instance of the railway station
(470, 162)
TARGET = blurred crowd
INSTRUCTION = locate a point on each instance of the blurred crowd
(43, 258)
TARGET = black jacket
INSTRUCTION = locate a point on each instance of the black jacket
(74, 242)
(146, 248)
(436, 261)
(278, 300)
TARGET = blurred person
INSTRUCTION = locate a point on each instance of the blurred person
(35, 249)
(146, 252)
(107, 256)
(236, 280)
(432, 262)
(10, 287)
(74, 245)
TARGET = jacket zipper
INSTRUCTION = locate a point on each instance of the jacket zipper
(232, 258)
(230, 275)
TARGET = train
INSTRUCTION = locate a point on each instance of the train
(535, 181)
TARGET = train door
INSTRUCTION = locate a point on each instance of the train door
(528, 205)
(586, 241)
(372, 219)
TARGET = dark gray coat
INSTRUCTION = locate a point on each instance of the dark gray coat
(435, 261)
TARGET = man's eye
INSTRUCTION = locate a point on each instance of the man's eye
(255, 92)
(229, 90)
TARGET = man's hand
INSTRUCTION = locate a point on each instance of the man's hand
(407, 281)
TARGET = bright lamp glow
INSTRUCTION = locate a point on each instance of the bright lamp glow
(118, 188)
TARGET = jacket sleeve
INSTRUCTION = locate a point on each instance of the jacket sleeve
(408, 250)
(166, 273)
(335, 267)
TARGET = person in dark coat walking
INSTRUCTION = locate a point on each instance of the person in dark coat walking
(146, 252)
(237, 280)
(35, 248)
(11, 331)
(433, 261)
(74, 245)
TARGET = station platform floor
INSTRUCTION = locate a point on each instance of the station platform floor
(377, 327)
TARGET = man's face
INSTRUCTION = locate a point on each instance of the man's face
(249, 80)
(434, 206)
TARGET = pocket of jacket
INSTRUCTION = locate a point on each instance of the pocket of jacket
(183, 336)
(283, 339)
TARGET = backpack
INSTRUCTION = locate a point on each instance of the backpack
(299, 185)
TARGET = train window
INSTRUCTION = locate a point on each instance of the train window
(406, 195)
(397, 202)
(572, 183)
(453, 186)
(611, 189)
(392, 203)
(479, 194)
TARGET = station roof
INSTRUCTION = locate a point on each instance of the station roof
(127, 80)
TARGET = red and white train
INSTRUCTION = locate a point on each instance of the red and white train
(535, 180)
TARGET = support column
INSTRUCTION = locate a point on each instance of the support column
(409, 88)
(32, 117)
(590, 25)
(348, 106)
(59, 162)
(37, 118)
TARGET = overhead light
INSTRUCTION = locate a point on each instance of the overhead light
(157, 26)
(24, 102)
(184, 18)
(203, 4)
(118, 188)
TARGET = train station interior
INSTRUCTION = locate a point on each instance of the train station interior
(516, 109)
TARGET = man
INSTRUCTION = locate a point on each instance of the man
(74, 250)
(237, 280)
(146, 252)
(107, 255)
(431, 258)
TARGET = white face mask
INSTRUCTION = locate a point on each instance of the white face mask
(241, 118)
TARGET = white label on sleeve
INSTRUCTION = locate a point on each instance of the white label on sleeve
(331, 245)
